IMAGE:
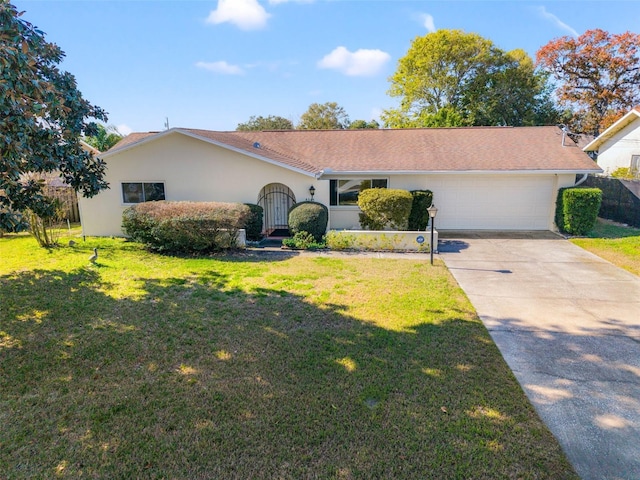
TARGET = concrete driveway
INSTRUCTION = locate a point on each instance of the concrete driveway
(568, 325)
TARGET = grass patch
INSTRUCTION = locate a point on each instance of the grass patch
(618, 244)
(244, 366)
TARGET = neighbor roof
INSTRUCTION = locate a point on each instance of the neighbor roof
(630, 117)
(471, 149)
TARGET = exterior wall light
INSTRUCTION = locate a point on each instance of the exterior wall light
(312, 191)
(433, 211)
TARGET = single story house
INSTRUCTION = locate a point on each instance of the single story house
(619, 145)
(482, 178)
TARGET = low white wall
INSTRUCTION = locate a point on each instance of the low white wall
(376, 240)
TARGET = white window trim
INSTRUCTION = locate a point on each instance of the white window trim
(122, 202)
(354, 178)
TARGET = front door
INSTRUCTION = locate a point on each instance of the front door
(276, 199)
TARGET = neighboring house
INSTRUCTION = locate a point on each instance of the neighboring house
(483, 178)
(619, 145)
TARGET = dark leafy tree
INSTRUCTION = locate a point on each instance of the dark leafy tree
(272, 122)
(598, 76)
(364, 125)
(509, 92)
(43, 117)
(326, 116)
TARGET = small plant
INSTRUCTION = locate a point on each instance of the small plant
(340, 240)
(419, 216)
(309, 217)
(253, 224)
(577, 209)
(625, 174)
(45, 224)
(385, 208)
(303, 241)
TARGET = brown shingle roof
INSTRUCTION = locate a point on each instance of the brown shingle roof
(405, 150)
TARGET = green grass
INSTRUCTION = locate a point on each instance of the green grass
(618, 244)
(246, 366)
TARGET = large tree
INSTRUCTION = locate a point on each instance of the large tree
(598, 75)
(42, 120)
(364, 125)
(452, 78)
(432, 76)
(272, 122)
(326, 116)
(510, 92)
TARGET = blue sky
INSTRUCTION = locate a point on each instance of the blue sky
(213, 64)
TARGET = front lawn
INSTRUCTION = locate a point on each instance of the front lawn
(247, 366)
(618, 244)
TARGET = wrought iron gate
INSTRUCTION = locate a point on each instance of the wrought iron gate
(276, 199)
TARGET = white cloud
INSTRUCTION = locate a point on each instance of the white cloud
(124, 129)
(559, 23)
(427, 22)
(359, 63)
(221, 67)
(245, 14)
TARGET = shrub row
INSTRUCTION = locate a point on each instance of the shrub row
(189, 227)
(577, 209)
(394, 209)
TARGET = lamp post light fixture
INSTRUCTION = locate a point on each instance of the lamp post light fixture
(433, 211)
(312, 191)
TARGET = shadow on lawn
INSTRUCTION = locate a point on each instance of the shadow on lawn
(196, 379)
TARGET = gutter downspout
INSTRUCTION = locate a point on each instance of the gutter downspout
(584, 177)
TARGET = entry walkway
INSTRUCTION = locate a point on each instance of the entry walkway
(568, 325)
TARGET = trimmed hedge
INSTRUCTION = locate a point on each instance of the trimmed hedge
(385, 208)
(185, 227)
(577, 209)
(419, 216)
(311, 217)
(253, 224)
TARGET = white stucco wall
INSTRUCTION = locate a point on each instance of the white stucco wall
(479, 201)
(191, 170)
(617, 151)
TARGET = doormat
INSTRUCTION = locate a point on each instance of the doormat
(280, 232)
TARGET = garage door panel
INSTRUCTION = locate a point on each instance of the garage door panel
(494, 202)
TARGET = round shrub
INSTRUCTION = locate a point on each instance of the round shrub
(185, 226)
(385, 208)
(311, 217)
(253, 224)
(419, 216)
(577, 209)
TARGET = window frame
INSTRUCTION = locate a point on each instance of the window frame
(143, 193)
(634, 165)
(334, 194)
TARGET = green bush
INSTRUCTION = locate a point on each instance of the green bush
(385, 208)
(304, 241)
(185, 227)
(419, 216)
(624, 173)
(577, 209)
(253, 224)
(310, 217)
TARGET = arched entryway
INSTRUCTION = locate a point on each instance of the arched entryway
(276, 199)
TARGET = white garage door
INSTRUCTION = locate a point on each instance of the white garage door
(491, 202)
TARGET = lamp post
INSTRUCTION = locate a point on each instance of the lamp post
(312, 191)
(433, 211)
